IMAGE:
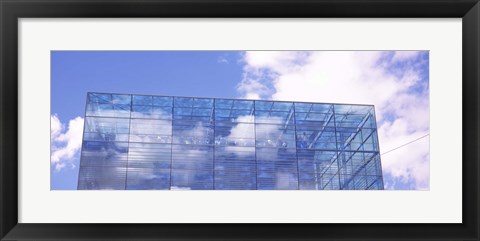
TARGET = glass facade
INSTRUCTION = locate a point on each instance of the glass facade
(138, 142)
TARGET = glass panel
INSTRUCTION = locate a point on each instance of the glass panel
(192, 132)
(223, 104)
(277, 136)
(192, 157)
(148, 179)
(203, 103)
(99, 98)
(243, 105)
(95, 153)
(122, 100)
(101, 178)
(142, 100)
(192, 179)
(263, 105)
(149, 155)
(183, 102)
(106, 129)
(274, 117)
(162, 101)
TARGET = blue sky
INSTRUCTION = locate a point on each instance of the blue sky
(396, 82)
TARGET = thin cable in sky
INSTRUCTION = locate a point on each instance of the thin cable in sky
(405, 144)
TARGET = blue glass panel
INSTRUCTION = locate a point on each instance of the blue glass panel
(223, 104)
(235, 134)
(148, 179)
(152, 112)
(313, 107)
(245, 105)
(147, 155)
(107, 110)
(142, 100)
(235, 160)
(95, 136)
(202, 112)
(96, 153)
(162, 101)
(192, 132)
(230, 180)
(242, 115)
(323, 138)
(274, 117)
(203, 103)
(315, 161)
(122, 100)
(141, 111)
(100, 98)
(101, 178)
(282, 106)
(151, 131)
(263, 105)
(145, 126)
(353, 109)
(106, 129)
(276, 168)
(277, 136)
(192, 157)
(192, 179)
(106, 125)
(178, 112)
(183, 102)
(277, 181)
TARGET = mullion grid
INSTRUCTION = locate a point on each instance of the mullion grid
(288, 122)
(345, 176)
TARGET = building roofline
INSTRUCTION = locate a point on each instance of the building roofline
(200, 97)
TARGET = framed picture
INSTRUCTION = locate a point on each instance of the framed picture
(229, 120)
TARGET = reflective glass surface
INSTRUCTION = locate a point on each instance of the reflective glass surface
(143, 142)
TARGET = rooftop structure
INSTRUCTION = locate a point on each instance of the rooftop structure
(163, 142)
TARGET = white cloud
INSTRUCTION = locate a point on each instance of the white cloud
(364, 77)
(65, 142)
(56, 127)
(404, 55)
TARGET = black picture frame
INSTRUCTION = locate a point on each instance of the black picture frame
(12, 10)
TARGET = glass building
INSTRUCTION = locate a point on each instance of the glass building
(141, 142)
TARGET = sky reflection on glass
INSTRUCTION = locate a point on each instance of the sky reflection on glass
(142, 142)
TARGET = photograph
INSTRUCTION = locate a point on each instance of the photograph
(239, 120)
